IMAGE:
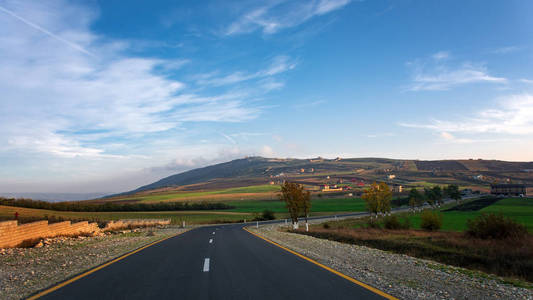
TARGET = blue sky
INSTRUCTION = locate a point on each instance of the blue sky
(106, 96)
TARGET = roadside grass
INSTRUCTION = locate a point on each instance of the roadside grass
(507, 258)
(176, 217)
(512, 258)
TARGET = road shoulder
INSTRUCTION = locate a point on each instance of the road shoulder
(399, 275)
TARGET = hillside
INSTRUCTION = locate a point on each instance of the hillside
(259, 170)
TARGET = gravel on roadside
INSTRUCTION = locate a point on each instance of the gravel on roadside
(402, 276)
(24, 271)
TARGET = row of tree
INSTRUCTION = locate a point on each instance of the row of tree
(433, 196)
(378, 197)
(106, 207)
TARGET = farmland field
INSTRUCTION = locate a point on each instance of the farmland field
(176, 217)
(257, 191)
(317, 205)
(518, 209)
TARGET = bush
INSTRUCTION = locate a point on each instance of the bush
(393, 222)
(268, 215)
(326, 226)
(431, 221)
(495, 226)
(372, 223)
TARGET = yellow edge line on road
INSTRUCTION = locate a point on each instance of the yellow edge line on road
(62, 284)
(364, 285)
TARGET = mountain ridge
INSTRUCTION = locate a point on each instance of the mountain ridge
(262, 168)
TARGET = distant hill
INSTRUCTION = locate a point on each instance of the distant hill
(54, 197)
(256, 170)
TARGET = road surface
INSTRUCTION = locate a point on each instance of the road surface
(218, 262)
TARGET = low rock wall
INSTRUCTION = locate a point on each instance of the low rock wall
(13, 235)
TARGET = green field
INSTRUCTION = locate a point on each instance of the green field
(176, 217)
(317, 205)
(518, 209)
(256, 189)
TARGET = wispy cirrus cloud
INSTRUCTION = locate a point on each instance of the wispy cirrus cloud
(438, 74)
(277, 15)
(506, 50)
(513, 115)
(309, 104)
(278, 65)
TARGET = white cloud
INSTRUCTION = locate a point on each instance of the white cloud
(266, 151)
(440, 75)
(68, 92)
(506, 50)
(277, 65)
(277, 15)
(524, 80)
(513, 115)
(310, 104)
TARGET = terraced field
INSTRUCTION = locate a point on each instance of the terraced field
(266, 191)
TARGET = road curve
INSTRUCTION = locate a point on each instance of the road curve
(217, 262)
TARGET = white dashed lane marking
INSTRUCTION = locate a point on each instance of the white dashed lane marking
(206, 265)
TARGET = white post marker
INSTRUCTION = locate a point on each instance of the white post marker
(210, 241)
(206, 265)
(213, 232)
(306, 226)
(257, 224)
(244, 221)
(183, 224)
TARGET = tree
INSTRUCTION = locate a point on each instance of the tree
(415, 198)
(430, 197)
(384, 198)
(437, 194)
(296, 199)
(378, 198)
(452, 191)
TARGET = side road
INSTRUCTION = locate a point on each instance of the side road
(399, 275)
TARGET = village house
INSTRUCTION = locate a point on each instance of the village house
(509, 189)
(396, 188)
(331, 188)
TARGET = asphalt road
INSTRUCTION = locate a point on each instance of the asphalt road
(218, 262)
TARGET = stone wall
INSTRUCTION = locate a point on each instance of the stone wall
(12, 234)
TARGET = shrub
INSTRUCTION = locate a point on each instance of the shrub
(495, 226)
(268, 215)
(372, 223)
(326, 226)
(393, 222)
(431, 221)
